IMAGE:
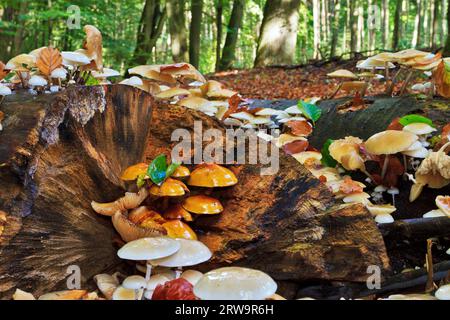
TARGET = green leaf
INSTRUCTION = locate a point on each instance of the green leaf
(310, 111)
(91, 81)
(327, 159)
(171, 169)
(157, 169)
(140, 180)
(415, 118)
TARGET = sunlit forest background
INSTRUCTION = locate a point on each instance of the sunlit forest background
(224, 34)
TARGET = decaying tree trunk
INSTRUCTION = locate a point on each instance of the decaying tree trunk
(58, 152)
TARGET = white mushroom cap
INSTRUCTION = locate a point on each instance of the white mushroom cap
(419, 128)
(59, 73)
(134, 282)
(107, 73)
(37, 81)
(22, 295)
(390, 142)
(234, 283)
(268, 112)
(232, 122)
(293, 110)
(149, 248)
(20, 60)
(376, 210)
(371, 63)
(443, 293)
(421, 153)
(435, 214)
(156, 280)
(4, 90)
(342, 74)
(384, 218)
(193, 276)
(292, 119)
(242, 116)
(191, 253)
(361, 197)
(74, 58)
(122, 293)
(133, 81)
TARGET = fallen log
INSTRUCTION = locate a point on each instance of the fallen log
(61, 151)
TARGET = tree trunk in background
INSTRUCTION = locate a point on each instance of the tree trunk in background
(150, 28)
(335, 9)
(360, 39)
(219, 13)
(353, 27)
(196, 28)
(397, 22)
(417, 25)
(316, 19)
(435, 24)
(18, 37)
(229, 49)
(281, 18)
(447, 44)
(177, 29)
(386, 16)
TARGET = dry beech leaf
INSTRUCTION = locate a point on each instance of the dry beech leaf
(442, 80)
(3, 72)
(233, 102)
(300, 128)
(93, 45)
(295, 147)
(348, 186)
(49, 60)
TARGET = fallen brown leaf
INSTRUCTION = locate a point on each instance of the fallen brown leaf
(49, 60)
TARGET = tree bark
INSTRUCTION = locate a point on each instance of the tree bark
(150, 28)
(316, 27)
(417, 25)
(278, 38)
(195, 32)
(353, 27)
(177, 29)
(386, 24)
(397, 22)
(435, 25)
(335, 10)
(229, 49)
(219, 18)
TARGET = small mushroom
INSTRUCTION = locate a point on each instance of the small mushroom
(193, 276)
(22, 295)
(201, 204)
(384, 218)
(177, 229)
(169, 188)
(191, 253)
(133, 172)
(389, 142)
(181, 173)
(212, 176)
(133, 81)
(129, 201)
(434, 214)
(107, 284)
(59, 74)
(443, 293)
(177, 212)
(381, 209)
(106, 73)
(235, 283)
(153, 73)
(149, 249)
(38, 82)
(136, 283)
(130, 231)
(172, 93)
(64, 295)
(342, 75)
(152, 283)
(124, 294)
(443, 203)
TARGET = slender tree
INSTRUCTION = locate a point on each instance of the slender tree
(435, 24)
(150, 28)
(447, 44)
(219, 26)
(417, 25)
(397, 22)
(386, 24)
(229, 49)
(335, 10)
(353, 27)
(177, 29)
(316, 26)
(196, 28)
(278, 38)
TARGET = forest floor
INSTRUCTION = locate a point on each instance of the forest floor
(298, 82)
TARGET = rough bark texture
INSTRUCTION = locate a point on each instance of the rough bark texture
(195, 32)
(278, 39)
(177, 28)
(62, 151)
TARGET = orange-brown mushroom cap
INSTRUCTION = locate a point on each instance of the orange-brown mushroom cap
(211, 176)
(133, 172)
(181, 172)
(202, 205)
(177, 212)
(169, 188)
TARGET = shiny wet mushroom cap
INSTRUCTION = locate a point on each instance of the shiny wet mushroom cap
(191, 253)
(181, 172)
(169, 188)
(201, 204)
(234, 283)
(342, 74)
(149, 249)
(390, 142)
(212, 176)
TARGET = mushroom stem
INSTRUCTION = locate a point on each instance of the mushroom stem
(385, 167)
(368, 175)
(148, 273)
(390, 89)
(178, 272)
(336, 91)
(407, 81)
(405, 164)
(393, 200)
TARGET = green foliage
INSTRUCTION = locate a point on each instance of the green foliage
(415, 118)
(158, 170)
(327, 159)
(310, 111)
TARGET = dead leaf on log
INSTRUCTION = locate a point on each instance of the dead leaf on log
(300, 128)
(442, 79)
(49, 60)
(93, 45)
(348, 186)
(3, 72)
(296, 147)
(234, 102)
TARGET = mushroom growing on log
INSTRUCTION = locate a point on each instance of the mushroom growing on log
(58, 152)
